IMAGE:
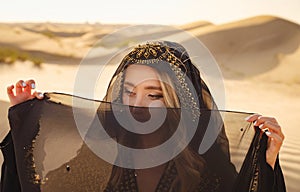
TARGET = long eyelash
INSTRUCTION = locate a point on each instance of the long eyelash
(156, 96)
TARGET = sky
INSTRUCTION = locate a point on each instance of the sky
(145, 12)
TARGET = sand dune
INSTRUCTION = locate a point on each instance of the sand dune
(268, 41)
(64, 40)
(28, 40)
(194, 25)
(251, 47)
(259, 58)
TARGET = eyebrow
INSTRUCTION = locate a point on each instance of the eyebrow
(151, 87)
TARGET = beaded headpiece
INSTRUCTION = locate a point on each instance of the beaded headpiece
(156, 53)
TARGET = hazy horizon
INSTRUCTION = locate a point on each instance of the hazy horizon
(153, 12)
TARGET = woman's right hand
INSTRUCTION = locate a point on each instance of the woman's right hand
(24, 91)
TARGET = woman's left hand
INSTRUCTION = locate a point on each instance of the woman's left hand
(272, 129)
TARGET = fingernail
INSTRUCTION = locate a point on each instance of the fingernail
(254, 123)
(32, 85)
(23, 84)
(261, 125)
(268, 132)
(247, 118)
(41, 95)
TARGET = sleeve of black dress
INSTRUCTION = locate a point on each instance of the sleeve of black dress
(9, 175)
(269, 179)
(256, 174)
(24, 123)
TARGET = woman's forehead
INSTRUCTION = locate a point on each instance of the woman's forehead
(136, 74)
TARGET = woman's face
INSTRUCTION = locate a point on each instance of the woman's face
(142, 87)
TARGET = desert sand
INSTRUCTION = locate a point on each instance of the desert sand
(259, 58)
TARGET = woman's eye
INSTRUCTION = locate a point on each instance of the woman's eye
(154, 96)
(128, 92)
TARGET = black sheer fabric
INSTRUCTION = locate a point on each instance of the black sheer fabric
(45, 152)
(68, 143)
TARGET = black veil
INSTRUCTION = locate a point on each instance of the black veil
(60, 144)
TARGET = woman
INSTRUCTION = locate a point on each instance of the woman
(161, 74)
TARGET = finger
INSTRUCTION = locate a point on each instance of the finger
(262, 119)
(30, 85)
(275, 138)
(19, 86)
(268, 126)
(10, 92)
(252, 118)
(38, 95)
(274, 144)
